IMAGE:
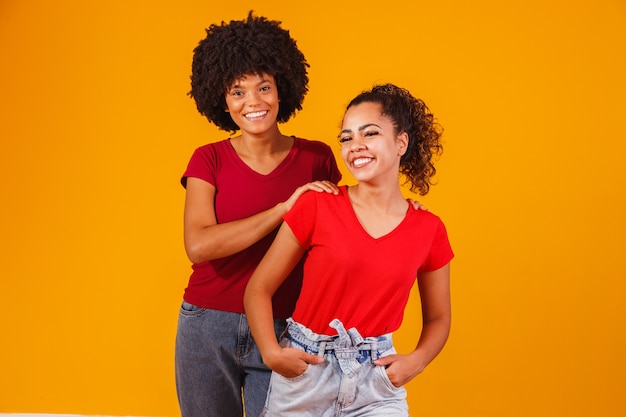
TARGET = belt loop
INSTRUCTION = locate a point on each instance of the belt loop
(374, 351)
(322, 349)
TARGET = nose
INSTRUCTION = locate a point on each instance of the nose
(252, 99)
(357, 144)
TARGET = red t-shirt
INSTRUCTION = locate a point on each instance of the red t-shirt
(349, 275)
(242, 192)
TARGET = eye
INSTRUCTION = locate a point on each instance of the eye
(345, 139)
(370, 133)
(265, 88)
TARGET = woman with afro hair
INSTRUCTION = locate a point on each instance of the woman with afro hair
(247, 77)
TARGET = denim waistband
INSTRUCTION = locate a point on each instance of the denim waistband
(345, 345)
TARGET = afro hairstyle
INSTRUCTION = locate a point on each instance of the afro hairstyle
(254, 45)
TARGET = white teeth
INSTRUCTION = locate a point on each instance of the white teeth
(361, 161)
(256, 114)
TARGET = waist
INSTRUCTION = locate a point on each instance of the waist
(347, 343)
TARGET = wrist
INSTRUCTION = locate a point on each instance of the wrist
(283, 208)
(418, 363)
(271, 356)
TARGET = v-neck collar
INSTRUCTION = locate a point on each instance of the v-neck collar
(360, 226)
(273, 173)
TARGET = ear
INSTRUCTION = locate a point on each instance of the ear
(403, 143)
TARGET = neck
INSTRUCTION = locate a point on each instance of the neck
(382, 199)
(267, 143)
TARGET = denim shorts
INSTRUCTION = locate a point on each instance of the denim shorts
(346, 384)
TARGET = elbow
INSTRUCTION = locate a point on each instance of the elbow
(246, 300)
(441, 325)
(194, 259)
(196, 254)
(253, 296)
(248, 303)
(248, 297)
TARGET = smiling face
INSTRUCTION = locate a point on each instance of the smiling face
(252, 102)
(370, 146)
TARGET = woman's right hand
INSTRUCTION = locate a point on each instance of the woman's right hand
(290, 362)
(319, 186)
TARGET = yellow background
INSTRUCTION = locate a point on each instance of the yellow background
(96, 129)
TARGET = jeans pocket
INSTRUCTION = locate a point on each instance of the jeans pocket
(190, 310)
(310, 374)
(382, 372)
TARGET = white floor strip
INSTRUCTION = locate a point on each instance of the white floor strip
(51, 415)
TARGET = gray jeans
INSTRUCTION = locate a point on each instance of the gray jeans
(218, 365)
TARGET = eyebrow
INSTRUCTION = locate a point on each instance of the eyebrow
(360, 129)
(237, 83)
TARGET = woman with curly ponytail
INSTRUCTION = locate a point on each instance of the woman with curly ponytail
(363, 250)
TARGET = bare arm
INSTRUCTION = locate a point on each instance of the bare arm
(434, 288)
(278, 262)
(205, 239)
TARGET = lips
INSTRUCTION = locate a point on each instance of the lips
(256, 114)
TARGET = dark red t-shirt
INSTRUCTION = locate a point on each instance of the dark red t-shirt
(242, 192)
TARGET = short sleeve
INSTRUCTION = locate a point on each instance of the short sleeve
(322, 159)
(440, 251)
(334, 173)
(301, 218)
(201, 165)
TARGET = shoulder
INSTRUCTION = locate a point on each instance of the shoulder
(209, 155)
(214, 147)
(203, 162)
(333, 202)
(323, 199)
(212, 152)
(309, 145)
(319, 156)
(425, 217)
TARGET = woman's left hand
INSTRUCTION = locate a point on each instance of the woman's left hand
(400, 368)
(417, 205)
